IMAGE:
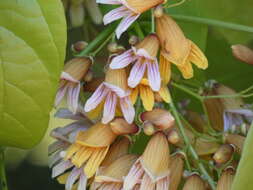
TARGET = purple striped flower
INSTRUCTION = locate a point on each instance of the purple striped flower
(143, 55)
(70, 85)
(129, 10)
(237, 117)
(113, 93)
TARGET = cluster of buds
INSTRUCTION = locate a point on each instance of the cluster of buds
(94, 150)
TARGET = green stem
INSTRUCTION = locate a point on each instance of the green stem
(152, 21)
(139, 30)
(102, 45)
(247, 90)
(3, 181)
(98, 40)
(191, 149)
(175, 4)
(182, 88)
(213, 22)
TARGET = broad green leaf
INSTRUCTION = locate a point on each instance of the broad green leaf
(243, 178)
(32, 50)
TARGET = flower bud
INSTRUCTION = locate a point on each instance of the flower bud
(133, 40)
(176, 168)
(236, 140)
(226, 179)
(223, 154)
(194, 182)
(148, 128)
(160, 118)
(173, 137)
(79, 46)
(243, 53)
(120, 127)
(158, 11)
(115, 48)
(88, 77)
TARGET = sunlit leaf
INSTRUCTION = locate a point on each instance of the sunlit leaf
(32, 50)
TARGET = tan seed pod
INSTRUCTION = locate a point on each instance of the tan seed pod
(120, 127)
(194, 182)
(148, 128)
(173, 137)
(236, 140)
(79, 46)
(176, 168)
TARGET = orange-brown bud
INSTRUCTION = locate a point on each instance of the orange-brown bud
(148, 128)
(223, 154)
(194, 182)
(161, 119)
(173, 137)
(79, 46)
(120, 127)
(243, 53)
(236, 140)
(226, 179)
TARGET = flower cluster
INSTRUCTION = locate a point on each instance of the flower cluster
(94, 150)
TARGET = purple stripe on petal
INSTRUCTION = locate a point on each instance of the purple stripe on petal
(96, 98)
(146, 183)
(120, 92)
(227, 121)
(125, 23)
(60, 94)
(133, 176)
(123, 60)
(127, 109)
(136, 73)
(54, 159)
(66, 114)
(154, 77)
(163, 184)
(109, 107)
(73, 176)
(245, 112)
(73, 96)
(61, 167)
(110, 2)
(116, 14)
(57, 145)
(82, 182)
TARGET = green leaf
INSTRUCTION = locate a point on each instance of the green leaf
(243, 178)
(32, 51)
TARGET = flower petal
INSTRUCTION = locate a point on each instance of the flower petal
(73, 96)
(134, 176)
(60, 94)
(123, 60)
(110, 2)
(163, 184)
(73, 176)
(125, 23)
(119, 91)
(116, 14)
(146, 183)
(61, 167)
(96, 98)
(154, 75)
(109, 107)
(147, 97)
(136, 73)
(186, 70)
(165, 69)
(82, 182)
(134, 95)
(165, 94)
(127, 109)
